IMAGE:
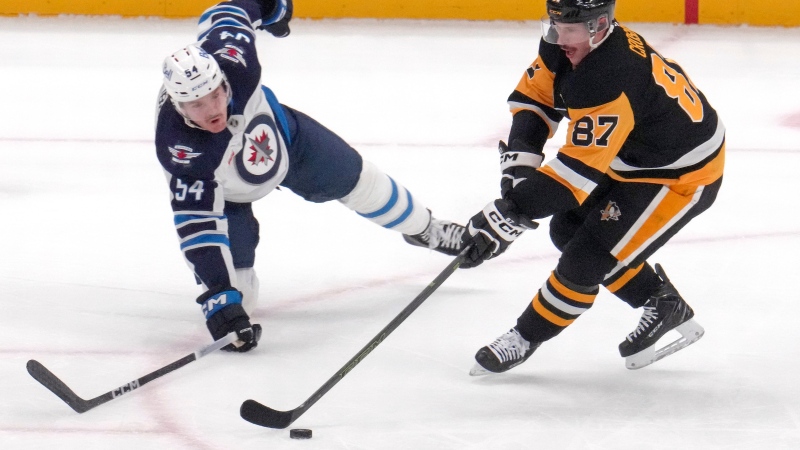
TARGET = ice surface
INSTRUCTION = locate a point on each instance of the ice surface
(94, 287)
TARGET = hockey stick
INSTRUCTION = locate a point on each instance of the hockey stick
(254, 412)
(41, 374)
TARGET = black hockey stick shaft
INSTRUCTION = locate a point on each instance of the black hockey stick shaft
(254, 412)
(44, 376)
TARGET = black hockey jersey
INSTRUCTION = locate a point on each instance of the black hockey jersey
(633, 116)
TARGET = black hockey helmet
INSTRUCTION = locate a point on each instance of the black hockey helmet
(576, 11)
(595, 15)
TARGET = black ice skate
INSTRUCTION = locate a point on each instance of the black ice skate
(664, 311)
(506, 352)
(441, 235)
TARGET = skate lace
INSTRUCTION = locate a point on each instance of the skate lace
(510, 346)
(649, 316)
(444, 234)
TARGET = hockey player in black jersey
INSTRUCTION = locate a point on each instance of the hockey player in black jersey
(225, 141)
(644, 155)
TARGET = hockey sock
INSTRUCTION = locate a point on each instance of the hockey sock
(633, 285)
(386, 202)
(554, 307)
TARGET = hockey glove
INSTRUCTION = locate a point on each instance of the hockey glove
(222, 307)
(517, 163)
(491, 231)
(275, 17)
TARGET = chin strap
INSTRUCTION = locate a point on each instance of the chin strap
(593, 46)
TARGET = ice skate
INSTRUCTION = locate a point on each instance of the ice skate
(506, 352)
(441, 235)
(664, 311)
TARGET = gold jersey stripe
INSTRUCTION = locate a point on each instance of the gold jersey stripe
(667, 208)
(580, 186)
(623, 280)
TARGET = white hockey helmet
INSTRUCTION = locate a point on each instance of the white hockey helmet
(191, 73)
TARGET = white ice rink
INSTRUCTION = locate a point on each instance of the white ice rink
(93, 285)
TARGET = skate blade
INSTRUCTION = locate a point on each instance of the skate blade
(690, 331)
(478, 371)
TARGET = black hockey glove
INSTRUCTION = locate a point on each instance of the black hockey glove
(517, 163)
(491, 231)
(275, 17)
(224, 313)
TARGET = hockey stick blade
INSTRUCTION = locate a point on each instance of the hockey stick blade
(49, 380)
(41, 374)
(262, 415)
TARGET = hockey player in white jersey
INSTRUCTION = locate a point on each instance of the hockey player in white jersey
(225, 141)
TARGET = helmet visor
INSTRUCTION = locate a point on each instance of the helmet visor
(562, 33)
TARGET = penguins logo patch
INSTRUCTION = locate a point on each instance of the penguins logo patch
(260, 157)
(611, 212)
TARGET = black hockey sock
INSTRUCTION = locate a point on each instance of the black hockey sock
(557, 304)
(634, 285)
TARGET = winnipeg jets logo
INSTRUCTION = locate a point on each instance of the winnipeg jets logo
(182, 154)
(260, 152)
(260, 156)
(232, 53)
(611, 212)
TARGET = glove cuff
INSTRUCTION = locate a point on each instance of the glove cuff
(216, 299)
(277, 13)
(525, 159)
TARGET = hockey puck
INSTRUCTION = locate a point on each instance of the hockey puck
(300, 433)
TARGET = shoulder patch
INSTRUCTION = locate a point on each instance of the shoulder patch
(232, 53)
(531, 71)
(182, 154)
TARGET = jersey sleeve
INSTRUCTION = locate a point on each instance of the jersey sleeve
(532, 105)
(227, 31)
(189, 161)
(596, 133)
(198, 207)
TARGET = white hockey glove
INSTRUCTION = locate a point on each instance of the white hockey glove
(517, 163)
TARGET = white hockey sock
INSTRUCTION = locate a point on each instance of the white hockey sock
(386, 202)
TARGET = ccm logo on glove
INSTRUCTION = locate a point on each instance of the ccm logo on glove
(504, 226)
(503, 222)
(219, 301)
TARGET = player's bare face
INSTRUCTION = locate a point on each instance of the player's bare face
(209, 112)
(573, 39)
